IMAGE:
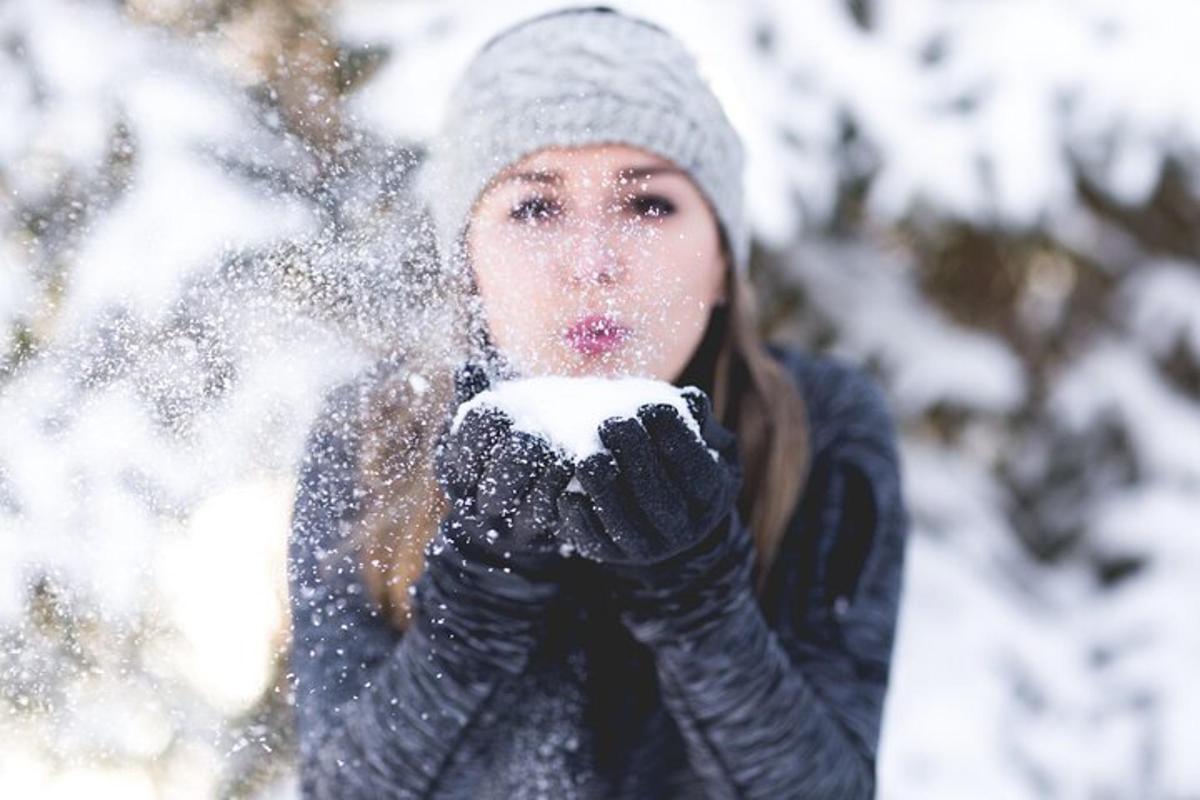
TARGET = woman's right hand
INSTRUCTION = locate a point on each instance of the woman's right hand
(503, 485)
(492, 566)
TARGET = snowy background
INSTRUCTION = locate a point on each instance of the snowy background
(994, 206)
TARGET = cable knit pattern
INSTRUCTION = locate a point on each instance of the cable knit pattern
(690, 688)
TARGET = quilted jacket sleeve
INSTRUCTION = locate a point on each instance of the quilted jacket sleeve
(380, 713)
(784, 698)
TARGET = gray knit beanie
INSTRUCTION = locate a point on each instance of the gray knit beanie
(576, 76)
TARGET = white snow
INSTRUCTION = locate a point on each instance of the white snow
(871, 293)
(132, 468)
(980, 134)
(1113, 379)
(567, 411)
(1163, 302)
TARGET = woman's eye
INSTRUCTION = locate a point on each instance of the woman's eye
(651, 205)
(535, 209)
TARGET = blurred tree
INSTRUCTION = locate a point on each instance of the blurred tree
(993, 206)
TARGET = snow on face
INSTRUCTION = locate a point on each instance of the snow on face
(567, 411)
(602, 259)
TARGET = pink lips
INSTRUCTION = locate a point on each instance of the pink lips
(596, 334)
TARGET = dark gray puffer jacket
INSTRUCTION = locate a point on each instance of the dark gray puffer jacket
(773, 697)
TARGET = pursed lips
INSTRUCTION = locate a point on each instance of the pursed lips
(596, 334)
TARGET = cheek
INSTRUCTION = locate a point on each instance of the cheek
(675, 309)
(686, 272)
(514, 290)
(507, 293)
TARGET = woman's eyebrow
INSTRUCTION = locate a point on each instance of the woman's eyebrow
(553, 177)
(634, 173)
(537, 176)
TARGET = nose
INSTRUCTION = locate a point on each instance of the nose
(594, 256)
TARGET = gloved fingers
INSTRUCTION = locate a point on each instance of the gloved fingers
(470, 449)
(643, 476)
(716, 435)
(453, 469)
(508, 476)
(581, 527)
(600, 477)
(685, 458)
(539, 512)
(469, 380)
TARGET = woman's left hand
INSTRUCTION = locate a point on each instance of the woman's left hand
(658, 492)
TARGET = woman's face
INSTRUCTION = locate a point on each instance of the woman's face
(596, 260)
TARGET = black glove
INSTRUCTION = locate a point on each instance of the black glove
(503, 485)
(658, 494)
(482, 600)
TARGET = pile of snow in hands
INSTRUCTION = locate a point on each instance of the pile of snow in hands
(567, 412)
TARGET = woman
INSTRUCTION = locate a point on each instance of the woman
(687, 626)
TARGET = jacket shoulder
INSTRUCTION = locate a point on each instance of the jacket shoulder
(344, 403)
(334, 434)
(842, 400)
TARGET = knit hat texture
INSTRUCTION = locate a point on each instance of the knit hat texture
(579, 76)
